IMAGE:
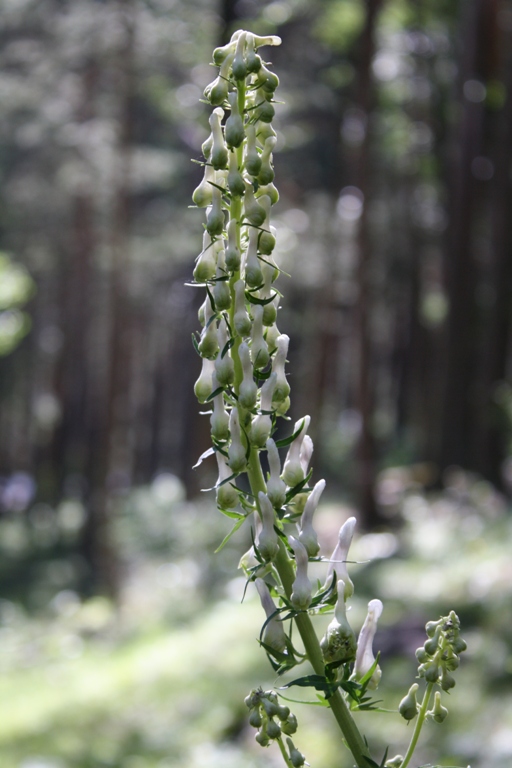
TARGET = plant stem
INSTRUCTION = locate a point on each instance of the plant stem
(419, 724)
(284, 567)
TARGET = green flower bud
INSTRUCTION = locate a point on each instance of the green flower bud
(206, 263)
(232, 251)
(271, 336)
(267, 80)
(307, 535)
(255, 719)
(252, 159)
(241, 319)
(283, 712)
(262, 738)
(459, 645)
(289, 726)
(253, 273)
(235, 181)
(273, 730)
(219, 420)
(248, 392)
(438, 712)
(408, 707)
(253, 61)
(274, 635)
(234, 128)
(267, 40)
(203, 385)
(220, 54)
(206, 147)
(432, 644)
(202, 194)
(282, 389)
(254, 213)
(239, 66)
(293, 473)
(447, 680)
(227, 496)
(276, 488)
(264, 131)
(259, 349)
(236, 452)
(283, 407)
(208, 344)
(221, 291)
(339, 642)
(266, 174)
(215, 214)
(422, 655)
(252, 699)
(431, 673)
(271, 191)
(268, 543)
(301, 588)
(266, 244)
(217, 91)
(431, 626)
(297, 759)
(224, 365)
(262, 424)
(219, 152)
(264, 111)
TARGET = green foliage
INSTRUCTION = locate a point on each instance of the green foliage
(16, 288)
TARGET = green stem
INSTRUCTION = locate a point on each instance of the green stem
(286, 573)
(419, 724)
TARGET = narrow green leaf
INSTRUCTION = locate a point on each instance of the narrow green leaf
(226, 538)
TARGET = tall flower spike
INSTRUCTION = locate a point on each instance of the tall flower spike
(276, 488)
(227, 496)
(301, 588)
(339, 557)
(262, 424)
(274, 634)
(364, 656)
(267, 543)
(292, 470)
(307, 535)
(339, 642)
(236, 451)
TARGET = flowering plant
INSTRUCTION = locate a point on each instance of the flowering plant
(243, 376)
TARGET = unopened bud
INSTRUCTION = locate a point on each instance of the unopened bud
(297, 759)
(274, 635)
(241, 319)
(338, 559)
(276, 488)
(293, 473)
(224, 365)
(262, 424)
(301, 588)
(248, 388)
(267, 543)
(438, 712)
(227, 496)
(236, 452)
(339, 642)
(307, 535)
(259, 348)
(364, 656)
(408, 707)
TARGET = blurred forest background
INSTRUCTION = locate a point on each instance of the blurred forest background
(394, 162)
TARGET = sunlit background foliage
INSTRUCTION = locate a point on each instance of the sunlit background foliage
(123, 643)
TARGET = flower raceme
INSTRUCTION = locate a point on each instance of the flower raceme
(243, 376)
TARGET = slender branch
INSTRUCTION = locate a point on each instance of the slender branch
(419, 724)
